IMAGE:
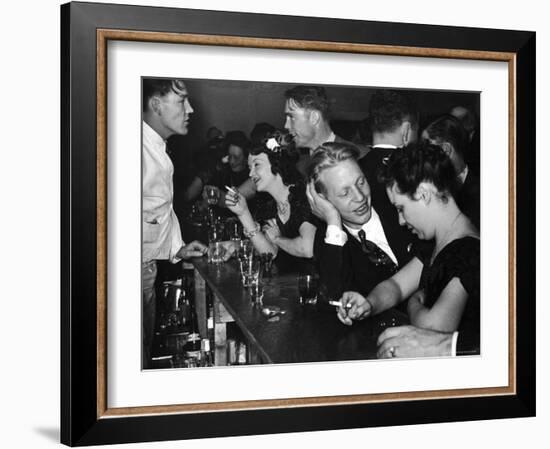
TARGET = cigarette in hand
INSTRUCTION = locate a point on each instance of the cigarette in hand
(229, 189)
(339, 304)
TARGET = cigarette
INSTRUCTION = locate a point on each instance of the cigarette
(339, 304)
(231, 190)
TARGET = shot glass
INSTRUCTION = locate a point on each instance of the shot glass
(256, 291)
(308, 288)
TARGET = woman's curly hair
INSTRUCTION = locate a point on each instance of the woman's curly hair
(282, 158)
(420, 162)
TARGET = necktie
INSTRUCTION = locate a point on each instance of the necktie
(375, 255)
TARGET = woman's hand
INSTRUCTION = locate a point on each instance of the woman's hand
(271, 230)
(354, 307)
(236, 203)
(321, 207)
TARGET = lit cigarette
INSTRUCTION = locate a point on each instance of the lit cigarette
(231, 190)
(339, 304)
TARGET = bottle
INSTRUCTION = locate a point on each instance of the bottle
(206, 354)
(210, 332)
(193, 346)
(241, 354)
(183, 308)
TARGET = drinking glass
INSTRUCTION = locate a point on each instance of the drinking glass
(267, 263)
(250, 270)
(212, 195)
(256, 291)
(308, 288)
(233, 230)
(246, 249)
(216, 252)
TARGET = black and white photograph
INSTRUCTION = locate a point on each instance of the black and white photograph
(277, 223)
(299, 223)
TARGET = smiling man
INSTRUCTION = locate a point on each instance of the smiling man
(358, 248)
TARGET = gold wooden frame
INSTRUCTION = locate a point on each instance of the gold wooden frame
(104, 36)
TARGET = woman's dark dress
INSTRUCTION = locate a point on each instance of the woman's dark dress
(300, 212)
(460, 259)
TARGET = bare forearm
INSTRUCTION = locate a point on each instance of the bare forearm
(193, 191)
(384, 296)
(298, 246)
(418, 313)
(260, 242)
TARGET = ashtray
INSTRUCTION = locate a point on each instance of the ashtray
(271, 311)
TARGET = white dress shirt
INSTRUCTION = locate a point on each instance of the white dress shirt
(373, 232)
(463, 174)
(161, 230)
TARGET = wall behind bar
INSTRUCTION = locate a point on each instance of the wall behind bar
(239, 105)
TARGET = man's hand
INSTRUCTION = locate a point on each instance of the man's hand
(411, 341)
(354, 307)
(321, 207)
(193, 249)
(230, 249)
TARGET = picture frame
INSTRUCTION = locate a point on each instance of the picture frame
(86, 29)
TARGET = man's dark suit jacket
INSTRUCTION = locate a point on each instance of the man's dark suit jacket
(467, 343)
(363, 149)
(343, 268)
(468, 197)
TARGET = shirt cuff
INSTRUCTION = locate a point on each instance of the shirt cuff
(335, 236)
(453, 343)
(175, 258)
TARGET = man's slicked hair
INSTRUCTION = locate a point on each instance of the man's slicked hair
(159, 86)
(310, 97)
(326, 156)
(388, 109)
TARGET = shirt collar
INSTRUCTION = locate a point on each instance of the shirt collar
(462, 175)
(369, 227)
(385, 146)
(332, 137)
(152, 136)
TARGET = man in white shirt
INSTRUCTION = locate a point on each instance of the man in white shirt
(166, 111)
(359, 247)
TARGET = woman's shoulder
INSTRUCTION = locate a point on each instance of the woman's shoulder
(464, 245)
(461, 255)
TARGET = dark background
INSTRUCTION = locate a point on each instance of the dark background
(239, 105)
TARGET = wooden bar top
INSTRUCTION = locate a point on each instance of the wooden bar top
(303, 333)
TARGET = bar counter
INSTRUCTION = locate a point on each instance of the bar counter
(309, 333)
